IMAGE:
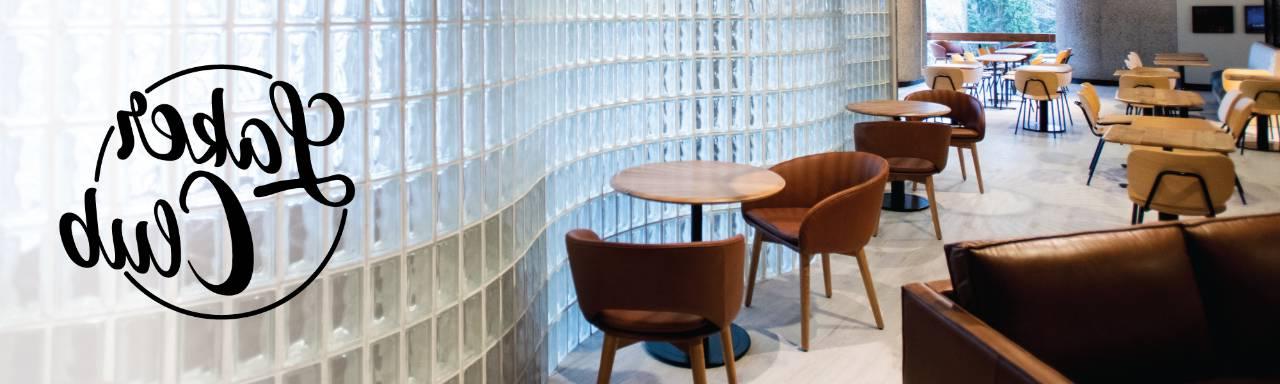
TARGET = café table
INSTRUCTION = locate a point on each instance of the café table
(897, 200)
(1028, 52)
(697, 183)
(1172, 133)
(1181, 61)
(1000, 65)
(1147, 71)
(1181, 100)
(899, 109)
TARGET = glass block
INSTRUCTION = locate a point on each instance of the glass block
(261, 216)
(472, 123)
(304, 56)
(384, 360)
(473, 326)
(419, 199)
(472, 258)
(473, 190)
(448, 128)
(447, 342)
(418, 59)
(384, 10)
(384, 62)
(417, 353)
(346, 10)
(472, 53)
(385, 315)
(346, 55)
(493, 365)
(448, 9)
(447, 253)
(253, 338)
(306, 375)
(84, 344)
(22, 356)
(448, 192)
(303, 11)
(138, 342)
(254, 48)
(255, 11)
(419, 144)
(448, 53)
(492, 311)
(300, 233)
(492, 247)
(203, 248)
(419, 10)
(384, 215)
(200, 346)
(301, 325)
(474, 373)
(419, 276)
(345, 368)
(384, 139)
(350, 245)
(345, 308)
(346, 157)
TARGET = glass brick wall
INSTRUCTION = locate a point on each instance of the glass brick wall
(478, 133)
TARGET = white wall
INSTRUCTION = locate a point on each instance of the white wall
(1224, 51)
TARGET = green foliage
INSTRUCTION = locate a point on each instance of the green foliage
(1010, 16)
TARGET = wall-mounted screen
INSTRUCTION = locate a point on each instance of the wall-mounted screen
(1255, 19)
(1214, 19)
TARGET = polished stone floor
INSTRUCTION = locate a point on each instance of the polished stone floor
(1035, 185)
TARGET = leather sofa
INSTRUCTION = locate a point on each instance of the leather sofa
(1195, 301)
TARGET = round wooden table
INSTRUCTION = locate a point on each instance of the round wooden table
(1000, 66)
(899, 109)
(697, 183)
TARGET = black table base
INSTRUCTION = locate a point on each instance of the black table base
(897, 200)
(672, 355)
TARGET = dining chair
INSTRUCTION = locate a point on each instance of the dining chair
(1039, 89)
(1091, 107)
(677, 293)
(1063, 56)
(915, 150)
(831, 204)
(969, 125)
(938, 52)
(1184, 183)
(1143, 81)
(944, 78)
(1266, 98)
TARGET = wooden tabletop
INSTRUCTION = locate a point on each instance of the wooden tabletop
(1247, 77)
(1148, 71)
(1160, 97)
(1001, 58)
(1018, 51)
(1055, 68)
(899, 108)
(1188, 134)
(956, 65)
(1182, 55)
(698, 182)
(1181, 60)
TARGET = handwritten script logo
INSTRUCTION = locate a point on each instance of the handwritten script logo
(170, 140)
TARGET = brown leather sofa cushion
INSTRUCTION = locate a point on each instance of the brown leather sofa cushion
(1101, 306)
(1238, 264)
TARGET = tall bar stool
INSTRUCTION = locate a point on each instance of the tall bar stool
(1179, 183)
(677, 293)
(1266, 98)
(831, 204)
(1039, 91)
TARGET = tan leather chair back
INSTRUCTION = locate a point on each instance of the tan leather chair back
(1139, 81)
(1265, 95)
(966, 110)
(1091, 106)
(1037, 85)
(1134, 60)
(905, 139)
(944, 78)
(844, 191)
(703, 279)
(1181, 195)
(1064, 56)
(1239, 116)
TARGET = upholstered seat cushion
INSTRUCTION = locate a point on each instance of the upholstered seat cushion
(781, 223)
(650, 322)
(1115, 120)
(911, 165)
(965, 134)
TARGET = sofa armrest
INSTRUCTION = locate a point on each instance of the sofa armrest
(941, 342)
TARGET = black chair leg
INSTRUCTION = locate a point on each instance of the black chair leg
(1133, 215)
(1240, 189)
(1097, 153)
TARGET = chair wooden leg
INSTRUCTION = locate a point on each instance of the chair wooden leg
(933, 206)
(960, 154)
(804, 301)
(606, 358)
(977, 167)
(826, 272)
(870, 286)
(756, 244)
(698, 362)
(726, 334)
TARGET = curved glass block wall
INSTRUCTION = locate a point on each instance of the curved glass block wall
(478, 132)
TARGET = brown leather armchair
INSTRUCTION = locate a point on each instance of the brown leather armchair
(1194, 301)
(916, 151)
(831, 204)
(968, 121)
(677, 293)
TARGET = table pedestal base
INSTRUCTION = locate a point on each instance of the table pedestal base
(714, 350)
(897, 200)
